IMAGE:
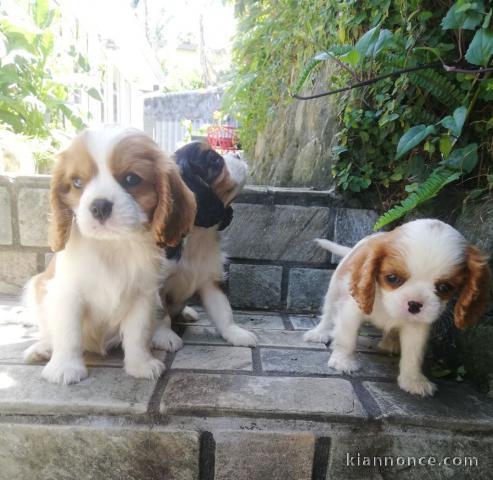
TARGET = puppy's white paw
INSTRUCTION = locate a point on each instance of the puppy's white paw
(150, 367)
(417, 385)
(343, 363)
(37, 352)
(64, 371)
(165, 339)
(317, 335)
(239, 337)
(189, 315)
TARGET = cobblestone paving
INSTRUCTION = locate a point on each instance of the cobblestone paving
(282, 380)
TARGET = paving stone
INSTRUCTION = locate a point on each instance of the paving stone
(87, 453)
(266, 338)
(314, 362)
(5, 217)
(351, 225)
(453, 406)
(207, 357)
(244, 394)
(255, 320)
(263, 455)
(255, 286)
(105, 391)
(277, 232)
(250, 320)
(33, 206)
(16, 268)
(304, 322)
(382, 456)
(307, 288)
(15, 337)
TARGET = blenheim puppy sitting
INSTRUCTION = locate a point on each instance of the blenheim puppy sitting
(401, 282)
(197, 266)
(116, 200)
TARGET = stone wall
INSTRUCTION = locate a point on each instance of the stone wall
(273, 262)
(294, 147)
(24, 207)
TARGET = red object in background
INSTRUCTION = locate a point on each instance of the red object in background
(222, 138)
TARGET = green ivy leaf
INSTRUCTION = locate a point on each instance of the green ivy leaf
(382, 41)
(465, 16)
(446, 145)
(413, 137)
(455, 123)
(480, 48)
(366, 43)
(351, 57)
(463, 158)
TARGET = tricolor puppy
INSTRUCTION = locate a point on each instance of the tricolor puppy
(198, 265)
(116, 200)
(401, 282)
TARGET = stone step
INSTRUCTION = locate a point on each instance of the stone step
(222, 412)
(273, 260)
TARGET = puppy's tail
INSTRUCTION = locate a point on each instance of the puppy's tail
(333, 247)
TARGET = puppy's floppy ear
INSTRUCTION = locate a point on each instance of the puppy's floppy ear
(61, 213)
(175, 211)
(365, 266)
(475, 294)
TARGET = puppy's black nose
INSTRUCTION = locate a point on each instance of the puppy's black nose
(414, 307)
(101, 209)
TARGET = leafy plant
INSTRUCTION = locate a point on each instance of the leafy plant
(434, 145)
(34, 100)
(402, 137)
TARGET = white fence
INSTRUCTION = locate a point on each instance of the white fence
(165, 113)
(171, 134)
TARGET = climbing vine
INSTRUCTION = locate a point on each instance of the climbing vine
(403, 138)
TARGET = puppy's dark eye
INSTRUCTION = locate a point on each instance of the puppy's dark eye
(393, 279)
(443, 288)
(77, 182)
(130, 180)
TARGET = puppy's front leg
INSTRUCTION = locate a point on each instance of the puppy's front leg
(64, 324)
(322, 332)
(219, 310)
(137, 331)
(347, 323)
(413, 344)
(164, 338)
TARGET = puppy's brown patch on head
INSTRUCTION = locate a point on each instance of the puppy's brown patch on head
(368, 264)
(475, 293)
(447, 286)
(74, 169)
(137, 155)
(393, 272)
(161, 193)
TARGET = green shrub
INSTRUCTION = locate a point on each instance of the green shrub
(34, 98)
(403, 138)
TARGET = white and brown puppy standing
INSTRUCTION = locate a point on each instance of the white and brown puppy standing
(116, 200)
(401, 281)
(198, 264)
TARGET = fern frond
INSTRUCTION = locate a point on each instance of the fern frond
(427, 190)
(439, 87)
